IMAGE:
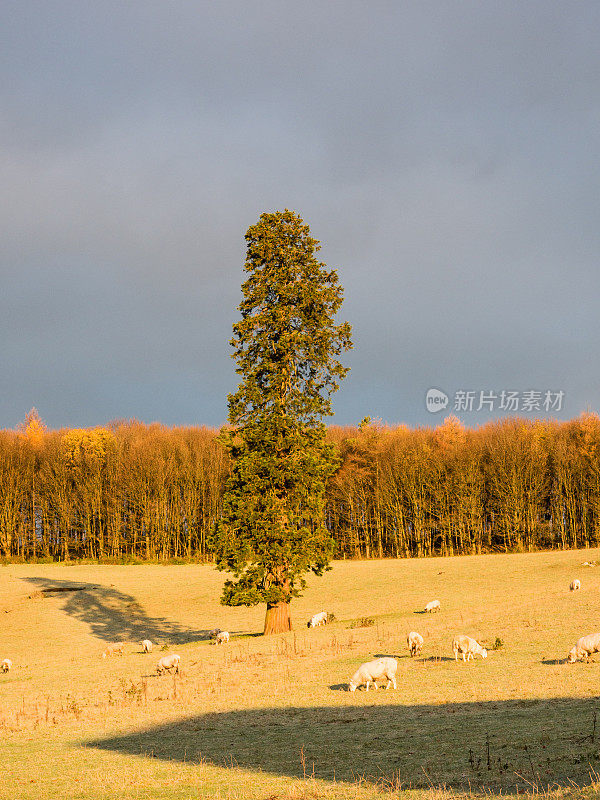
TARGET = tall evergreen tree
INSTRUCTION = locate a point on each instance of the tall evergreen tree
(287, 345)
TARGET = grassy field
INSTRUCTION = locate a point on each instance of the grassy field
(270, 718)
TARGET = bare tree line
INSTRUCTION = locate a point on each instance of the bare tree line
(135, 491)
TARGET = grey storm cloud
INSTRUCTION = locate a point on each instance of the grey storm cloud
(446, 155)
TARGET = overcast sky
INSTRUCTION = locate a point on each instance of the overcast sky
(446, 154)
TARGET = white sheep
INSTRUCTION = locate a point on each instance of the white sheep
(467, 646)
(6, 665)
(146, 645)
(575, 585)
(433, 605)
(222, 637)
(584, 648)
(113, 649)
(414, 641)
(168, 663)
(372, 671)
(317, 619)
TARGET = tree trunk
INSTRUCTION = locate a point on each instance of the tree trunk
(277, 619)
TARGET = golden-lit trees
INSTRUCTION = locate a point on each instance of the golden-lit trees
(122, 492)
(135, 491)
(504, 486)
(86, 454)
(12, 494)
(352, 490)
(517, 478)
(204, 467)
(32, 435)
(575, 495)
(392, 495)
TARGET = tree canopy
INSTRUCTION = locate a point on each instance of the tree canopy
(287, 349)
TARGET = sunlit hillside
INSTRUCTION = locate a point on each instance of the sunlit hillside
(272, 717)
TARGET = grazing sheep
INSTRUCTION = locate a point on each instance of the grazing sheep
(372, 671)
(467, 646)
(6, 665)
(113, 649)
(414, 641)
(214, 633)
(168, 663)
(146, 645)
(575, 585)
(584, 648)
(432, 606)
(317, 619)
(222, 637)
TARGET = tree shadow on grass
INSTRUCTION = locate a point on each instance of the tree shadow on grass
(399, 656)
(436, 659)
(431, 659)
(495, 746)
(113, 615)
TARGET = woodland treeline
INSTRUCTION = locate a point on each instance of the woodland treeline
(135, 491)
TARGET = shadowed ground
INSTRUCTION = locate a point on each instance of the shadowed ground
(501, 746)
(113, 615)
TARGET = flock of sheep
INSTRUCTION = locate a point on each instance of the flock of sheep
(370, 672)
(586, 645)
(386, 667)
(169, 663)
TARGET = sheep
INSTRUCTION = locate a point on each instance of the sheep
(113, 649)
(584, 648)
(146, 645)
(466, 645)
(575, 585)
(432, 606)
(372, 671)
(6, 665)
(414, 641)
(317, 619)
(214, 633)
(222, 637)
(168, 663)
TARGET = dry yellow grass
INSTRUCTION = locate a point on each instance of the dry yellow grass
(270, 717)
